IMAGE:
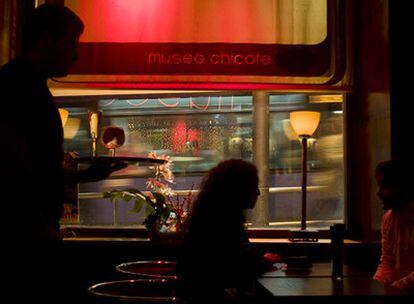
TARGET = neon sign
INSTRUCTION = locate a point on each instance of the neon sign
(221, 58)
(192, 103)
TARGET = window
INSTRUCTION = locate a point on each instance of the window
(269, 41)
(198, 131)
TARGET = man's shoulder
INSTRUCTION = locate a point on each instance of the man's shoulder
(387, 219)
(19, 76)
(6, 69)
(10, 66)
(16, 89)
(12, 72)
(388, 214)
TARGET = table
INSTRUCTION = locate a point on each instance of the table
(317, 286)
(317, 270)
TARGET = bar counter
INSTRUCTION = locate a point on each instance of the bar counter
(316, 285)
(104, 252)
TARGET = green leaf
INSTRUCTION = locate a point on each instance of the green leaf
(112, 199)
(132, 190)
(138, 205)
(126, 196)
(152, 222)
(135, 193)
(149, 210)
(165, 212)
(112, 195)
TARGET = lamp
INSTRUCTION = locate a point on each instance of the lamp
(63, 116)
(288, 130)
(304, 123)
(94, 118)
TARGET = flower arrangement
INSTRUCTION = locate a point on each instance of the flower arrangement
(165, 210)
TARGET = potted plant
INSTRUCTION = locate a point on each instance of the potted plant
(166, 212)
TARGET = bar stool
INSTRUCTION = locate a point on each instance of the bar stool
(149, 269)
(135, 291)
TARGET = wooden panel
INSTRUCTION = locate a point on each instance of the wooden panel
(367, 117)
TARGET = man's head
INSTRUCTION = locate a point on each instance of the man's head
(395, 187)
(52, 37)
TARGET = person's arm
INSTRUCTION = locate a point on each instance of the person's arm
(386, 271)
(257, 263)
(96, 172)
(406, 282)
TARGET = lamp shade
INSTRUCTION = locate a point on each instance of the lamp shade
(288, 130)
(64, 116)
(304, 123)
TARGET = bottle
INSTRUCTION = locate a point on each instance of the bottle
(337, 250)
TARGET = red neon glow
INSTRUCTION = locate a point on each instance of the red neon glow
(203, 104)
(194, 140)
(193, 135)
(198, 107)
(217, 86)
(170, 105)
(136, 104)
(179, 137)
(232, 21)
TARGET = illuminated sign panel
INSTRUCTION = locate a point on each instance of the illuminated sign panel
(201, 59)
(269, 41)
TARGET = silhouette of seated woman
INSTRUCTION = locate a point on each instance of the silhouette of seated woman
(217, 263)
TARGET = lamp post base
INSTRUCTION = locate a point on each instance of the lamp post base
(303, 235)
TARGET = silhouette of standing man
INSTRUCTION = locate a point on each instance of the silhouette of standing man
(32, 155)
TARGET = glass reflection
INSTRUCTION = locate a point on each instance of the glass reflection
(199, 132)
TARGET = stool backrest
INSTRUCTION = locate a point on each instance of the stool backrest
(135, 291)
(149, 269)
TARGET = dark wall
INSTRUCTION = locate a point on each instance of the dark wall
(401, 59)
(368, 130)
(13, 14)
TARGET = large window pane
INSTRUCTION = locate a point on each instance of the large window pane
(325, 168)
(197, 132)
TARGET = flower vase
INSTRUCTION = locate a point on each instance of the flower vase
(166, 236)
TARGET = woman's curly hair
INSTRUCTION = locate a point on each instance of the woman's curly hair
(225, 192)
